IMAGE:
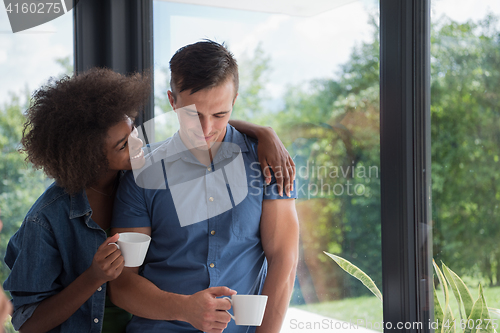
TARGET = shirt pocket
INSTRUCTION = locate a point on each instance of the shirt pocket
(247, 213)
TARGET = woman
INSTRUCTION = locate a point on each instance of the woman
(78, 131)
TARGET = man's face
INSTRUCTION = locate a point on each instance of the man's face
(203, 116)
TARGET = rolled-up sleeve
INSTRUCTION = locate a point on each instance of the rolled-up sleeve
(35, 262)
(271, 191)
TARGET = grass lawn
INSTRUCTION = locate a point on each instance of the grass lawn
(369, 308)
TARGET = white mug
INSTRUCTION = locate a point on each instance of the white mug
(248, 309)
(134, 247)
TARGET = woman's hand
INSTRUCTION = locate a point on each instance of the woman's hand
(108, 261)
(273, 154)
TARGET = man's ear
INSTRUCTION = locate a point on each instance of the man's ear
(234, 100)
(171, 99)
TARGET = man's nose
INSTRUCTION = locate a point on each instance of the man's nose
(206, 125)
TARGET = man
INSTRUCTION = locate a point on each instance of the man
(217, 227)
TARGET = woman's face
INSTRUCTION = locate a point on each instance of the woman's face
(124, 147)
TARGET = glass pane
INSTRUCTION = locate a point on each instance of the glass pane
(27, 60)
(465, 125)
(315, 80)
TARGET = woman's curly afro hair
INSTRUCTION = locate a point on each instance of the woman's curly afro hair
(68, 121)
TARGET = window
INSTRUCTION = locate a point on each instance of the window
(315, 80)
(465, 110)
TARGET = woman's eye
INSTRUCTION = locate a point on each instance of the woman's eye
(124, 145)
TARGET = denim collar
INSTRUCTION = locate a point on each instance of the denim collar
(79, 205)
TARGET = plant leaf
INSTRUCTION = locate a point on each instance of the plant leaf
(465, 294)
(476, 313)
(485, 316)
(448, 315)
(357, 273)
(438, 311)
(454, 288)
(451, 322)
(495, 311)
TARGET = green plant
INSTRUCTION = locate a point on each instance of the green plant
(474, 315)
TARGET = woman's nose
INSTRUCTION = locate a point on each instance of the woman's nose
(134, 140)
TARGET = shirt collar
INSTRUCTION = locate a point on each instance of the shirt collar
(79, 205)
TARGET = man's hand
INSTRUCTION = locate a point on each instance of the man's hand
(273, 154)
(208, 313)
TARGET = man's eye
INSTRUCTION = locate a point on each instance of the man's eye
(220, 116)
(124, 145)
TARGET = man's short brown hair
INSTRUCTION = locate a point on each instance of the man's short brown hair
(203, 65)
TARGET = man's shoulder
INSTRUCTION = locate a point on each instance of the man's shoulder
(247, 144)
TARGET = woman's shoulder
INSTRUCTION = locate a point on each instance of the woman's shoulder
(53, 200)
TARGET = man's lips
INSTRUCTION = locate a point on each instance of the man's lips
(206, 138)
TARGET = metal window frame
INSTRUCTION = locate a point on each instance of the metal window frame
(405, 163)
(119, 35)
(116, 35)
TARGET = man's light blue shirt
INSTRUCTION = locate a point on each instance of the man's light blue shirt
(205, 221)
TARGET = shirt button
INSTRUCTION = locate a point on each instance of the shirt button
(87, 214)
(96, 320)
(212, 265)
(211, 199)
(212, 232)
(99, 289)
(209, 169)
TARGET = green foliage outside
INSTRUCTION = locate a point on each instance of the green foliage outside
(474, 314)
(20, 185)
(465, 106)
(465, 127)
(369, 308)
(334, 125)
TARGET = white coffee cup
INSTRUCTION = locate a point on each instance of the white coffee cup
(248, 309)
(134, 247)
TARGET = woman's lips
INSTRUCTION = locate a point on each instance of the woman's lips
(138, 155)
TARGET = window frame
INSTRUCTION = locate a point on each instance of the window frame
(405, 163)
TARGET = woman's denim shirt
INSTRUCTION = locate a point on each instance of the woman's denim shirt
(55, 244)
